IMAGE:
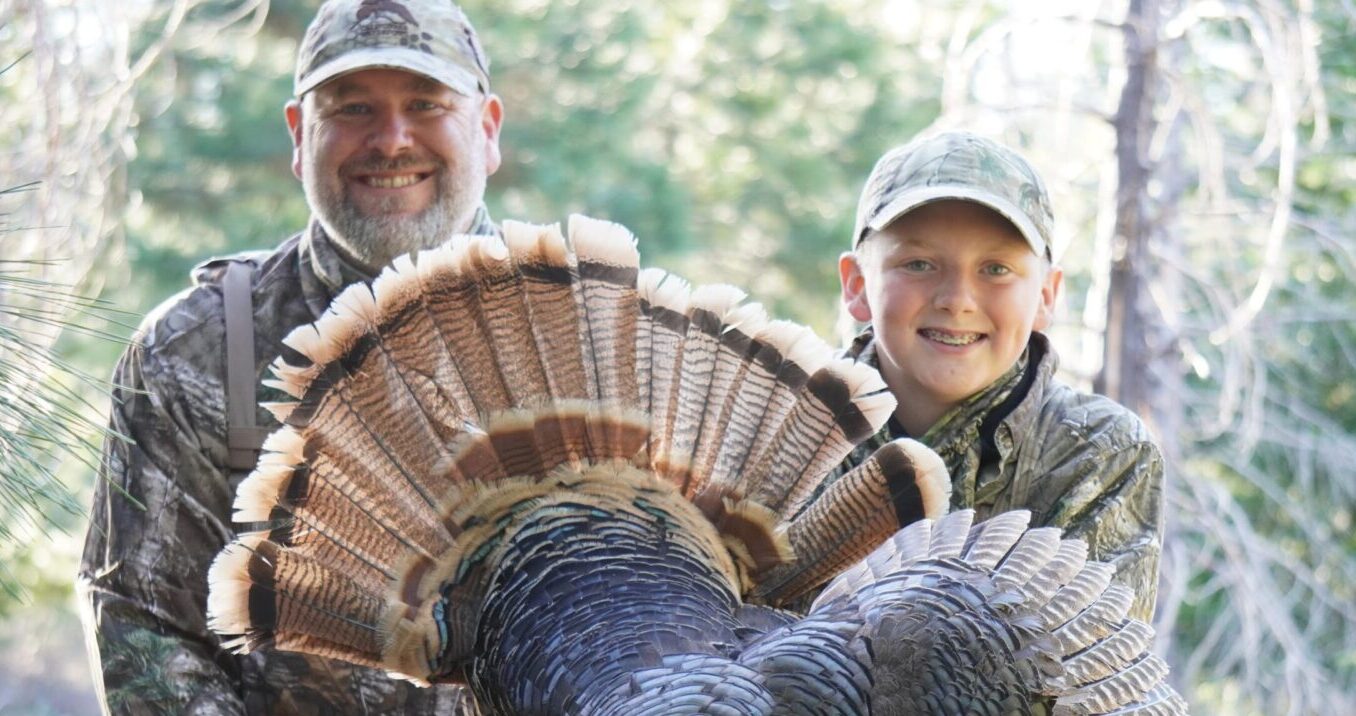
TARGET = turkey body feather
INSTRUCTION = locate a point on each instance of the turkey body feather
(527, 465)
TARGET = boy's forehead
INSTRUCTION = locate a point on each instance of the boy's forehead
(927, 225)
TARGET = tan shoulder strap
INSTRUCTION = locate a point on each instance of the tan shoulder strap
(244, 438)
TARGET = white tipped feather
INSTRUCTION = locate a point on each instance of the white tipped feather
(717, 298)
(860, 377)
(520, 237)
(435, 265)
(397, 286)
(281, 410)
(808, 351)
(780, 334)
(229, 586)
(664, 290)
(605, 241)
(648, 280)
(337, 331)
(484, 254)
(305, 340)
(257, 494)
(290, 380)
(358, 304)
(535, 243)
(749, 318)
(931, 477)
(284, 444)
(876, 409)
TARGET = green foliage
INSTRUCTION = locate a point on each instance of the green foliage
(44, 415)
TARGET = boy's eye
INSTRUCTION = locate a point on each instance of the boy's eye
(997, 270)
(916, 265)
(423, 105)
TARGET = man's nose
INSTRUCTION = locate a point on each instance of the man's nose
(391, 135)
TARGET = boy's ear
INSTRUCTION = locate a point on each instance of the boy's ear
(852, 278)
(1050, 288)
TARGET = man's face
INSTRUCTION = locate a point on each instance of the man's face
(953, 292)
(393, 162)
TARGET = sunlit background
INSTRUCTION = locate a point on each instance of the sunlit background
(1200, 155)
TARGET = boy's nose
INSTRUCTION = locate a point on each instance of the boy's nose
(954, 295)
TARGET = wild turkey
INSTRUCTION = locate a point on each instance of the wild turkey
(582, 488)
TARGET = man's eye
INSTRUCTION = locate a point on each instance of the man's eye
(916, 265)
(423, 105)
(354, 109)
(997, 270)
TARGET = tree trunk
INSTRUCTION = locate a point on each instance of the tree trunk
(1126, 374)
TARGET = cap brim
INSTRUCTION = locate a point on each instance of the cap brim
(459, 79)
(910, 200)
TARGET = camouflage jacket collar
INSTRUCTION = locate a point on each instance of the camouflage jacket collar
(967, 437)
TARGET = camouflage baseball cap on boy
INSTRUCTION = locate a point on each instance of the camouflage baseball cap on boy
(956, 165)
(428, 37)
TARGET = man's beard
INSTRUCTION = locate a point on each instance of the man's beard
(374, 239)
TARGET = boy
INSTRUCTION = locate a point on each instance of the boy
(951, 268)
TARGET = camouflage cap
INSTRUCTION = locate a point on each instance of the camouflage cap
(956, 165)
(429, 37)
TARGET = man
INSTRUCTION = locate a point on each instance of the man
(395, 132)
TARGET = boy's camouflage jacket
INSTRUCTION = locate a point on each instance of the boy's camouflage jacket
(1077, 461)
(143, 578)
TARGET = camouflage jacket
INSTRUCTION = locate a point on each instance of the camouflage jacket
(1077, 461)
(143, 578)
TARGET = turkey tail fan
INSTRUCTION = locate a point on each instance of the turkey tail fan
(1058, 611)
(746, 414)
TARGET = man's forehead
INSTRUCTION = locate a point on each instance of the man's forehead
(371, 80)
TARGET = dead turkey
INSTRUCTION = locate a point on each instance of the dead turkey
(582, 488)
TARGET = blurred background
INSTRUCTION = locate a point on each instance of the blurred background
(1200, 154)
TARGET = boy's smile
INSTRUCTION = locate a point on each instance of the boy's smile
(953, 292)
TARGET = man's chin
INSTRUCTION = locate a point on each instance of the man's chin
(380, 239)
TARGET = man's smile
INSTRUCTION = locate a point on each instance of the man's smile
(392, 181)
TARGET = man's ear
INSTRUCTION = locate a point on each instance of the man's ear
(853, 281)
(491, 120)
(292, 111)
(1050, 289)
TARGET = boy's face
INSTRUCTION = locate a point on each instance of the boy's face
(953, 292)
